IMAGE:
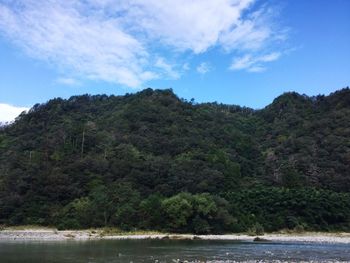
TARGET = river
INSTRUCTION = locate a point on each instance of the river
(115, 251)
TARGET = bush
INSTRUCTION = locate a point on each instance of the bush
(200, 226)
(256, 230)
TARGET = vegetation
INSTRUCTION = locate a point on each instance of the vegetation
(153, 161)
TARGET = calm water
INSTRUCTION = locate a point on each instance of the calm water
(167, 250)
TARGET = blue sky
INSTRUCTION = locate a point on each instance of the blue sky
(241, 52)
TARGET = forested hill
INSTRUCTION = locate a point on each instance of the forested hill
(93, 161)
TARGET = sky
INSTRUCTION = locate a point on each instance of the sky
(243, 52)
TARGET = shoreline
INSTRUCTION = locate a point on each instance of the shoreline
(82, 235)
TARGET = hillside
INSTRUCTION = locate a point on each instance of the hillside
(178, 165)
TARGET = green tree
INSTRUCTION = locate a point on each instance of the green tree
(177, 210)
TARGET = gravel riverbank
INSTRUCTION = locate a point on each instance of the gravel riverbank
(51, 234)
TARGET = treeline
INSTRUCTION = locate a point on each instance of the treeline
(93, 161)
(122, 206)
(253, 211)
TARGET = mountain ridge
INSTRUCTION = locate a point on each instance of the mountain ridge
(153, 142)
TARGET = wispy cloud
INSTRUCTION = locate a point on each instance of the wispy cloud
(115, 41)
(9, 113)
(253, 63)
(185, 25)
(186, 66)
(258, 30)
(64, 34)
(68, 81)
(203, 68)
(166, 68)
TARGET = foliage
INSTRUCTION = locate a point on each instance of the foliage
(153, 161)
(298, 208)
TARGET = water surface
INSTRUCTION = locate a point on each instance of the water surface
(116, 251)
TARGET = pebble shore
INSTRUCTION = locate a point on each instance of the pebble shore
(48, 234)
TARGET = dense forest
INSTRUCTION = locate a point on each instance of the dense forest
(153, 161)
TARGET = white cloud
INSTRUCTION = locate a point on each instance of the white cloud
(114, 41)
(68, 81)
(253, 63)
(59, 32)
(203, 68)
(257, 69)
(185, 25)
(166, 68)
(8, 112)
(270, 57)
(186, 66)
(255, 32)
